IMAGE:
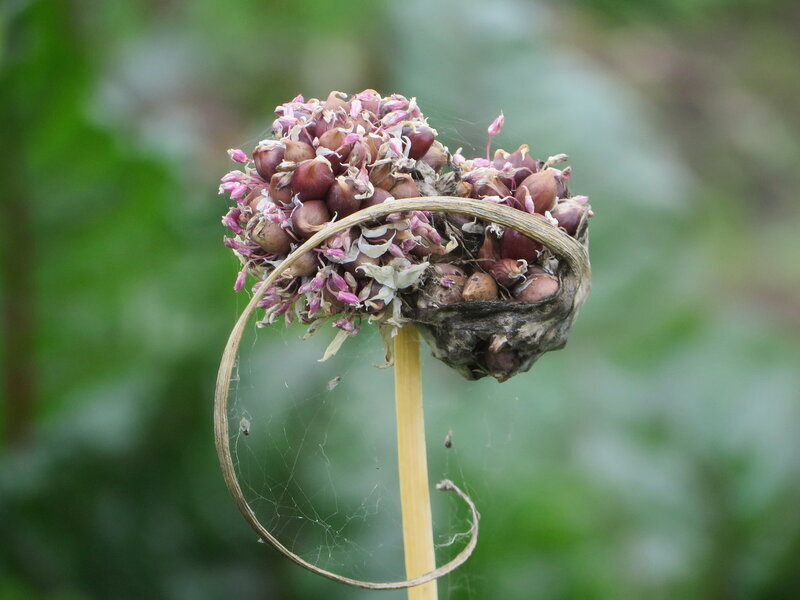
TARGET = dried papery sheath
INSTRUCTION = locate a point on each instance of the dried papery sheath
(489, 296)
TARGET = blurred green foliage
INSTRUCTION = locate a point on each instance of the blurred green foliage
(658, 455)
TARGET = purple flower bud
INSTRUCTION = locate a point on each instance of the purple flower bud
(240, 279)
(239, 191)
(236, 190)
(347, 297)
(395, 147)
(516, 166)
(231, 220)
(313, 305)
(345, 324)
(237, 155)
(238, 246)
(237, 176)
(334, 253)
(497, 125)
(394, 105)
(393, 118)
(339, 281)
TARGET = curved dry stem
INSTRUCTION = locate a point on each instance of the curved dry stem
(561, 244)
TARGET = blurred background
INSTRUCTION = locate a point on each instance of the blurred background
(657, 456)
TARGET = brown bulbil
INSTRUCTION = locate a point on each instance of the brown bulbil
(425, 247)
(450, 270)
(379, 197)
(520, 160)
(332, 305)
(267, 159)
(489, 250)
(536, 288)
(370, 100)
(334, 158)
(309, 217)
(373, 144)
(501, 364)
(446, 285)
(280, 188)
(363, 120)
(562, 177)
(542, 187)
(304, 266)
(421, 138)
(341, 197)
(480, 286)
(298, 151)
(336, 100)
(312, 179)
(507, 271)
(359, 152)
(367, 291)
(332, 139)
(464, 189)
(436, 156)
(569, 215)
(381, 176)
(490, 185)
(405, 187)
(271, 237)
(254, 197)
(519, 246)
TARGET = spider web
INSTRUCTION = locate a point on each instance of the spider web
(314, 447)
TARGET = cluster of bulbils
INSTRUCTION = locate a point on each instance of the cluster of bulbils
(329, 158)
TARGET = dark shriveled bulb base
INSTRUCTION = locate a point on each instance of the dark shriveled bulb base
(497, 338)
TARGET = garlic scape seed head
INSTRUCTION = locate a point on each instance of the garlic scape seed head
(488, 299)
